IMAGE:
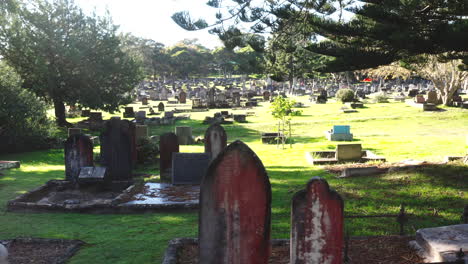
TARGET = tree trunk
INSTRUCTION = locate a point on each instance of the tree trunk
(60, 115)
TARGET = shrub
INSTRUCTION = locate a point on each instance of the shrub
(381, 98)
(147, 151)
(24, 125)
(345, 95)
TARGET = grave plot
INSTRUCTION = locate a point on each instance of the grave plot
(111, 188)
(37, 250)
(235, 219)
(343, 153)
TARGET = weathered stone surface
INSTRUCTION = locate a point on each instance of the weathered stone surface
(189, 168)
(74, 131)
(78, 153)
(92, 174)
(141, 131)
(3, 255)
(118, 148)
(317, 223)
(215, 140)
(235, 209)
(184, 135)
(348, 151)
(168, 144)
(4, 165)
(440, 244)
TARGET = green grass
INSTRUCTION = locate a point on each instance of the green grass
(395, 130)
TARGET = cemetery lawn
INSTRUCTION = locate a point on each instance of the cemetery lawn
(434, 196)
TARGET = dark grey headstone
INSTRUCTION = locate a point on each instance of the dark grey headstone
(118, 148)
(189, 168)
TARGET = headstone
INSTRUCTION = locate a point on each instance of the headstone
(129, 113)
(431, 97)
(184, 135)
(161, 107)
(419, 99)
(3, 254)
(189, 168)
(169, 114)
(78, 153)
(140, 117)
(236, 99)
(118, 148)
(348, 152)
(168, 144)
(215, 140)
(341, 129)
(95, 116)
(85, 113)
(211, 97)
(164, 94)
(74, 131)
(141, 131)
(144, 101)
(266, 96)
(339, 133)
(317, 224)
(240, 118)
(235, 209)
(182, 97)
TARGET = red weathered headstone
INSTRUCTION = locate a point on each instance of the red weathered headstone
(78, 153)
(317, 223)
(182, 97)
(168, 144)
(215, 140)
(235, 209)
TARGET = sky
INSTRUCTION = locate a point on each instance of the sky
(152, 18)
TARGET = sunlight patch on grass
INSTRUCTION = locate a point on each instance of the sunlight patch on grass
(8, 179)
(42, 168)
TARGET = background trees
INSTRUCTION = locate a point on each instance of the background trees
(65, 56)
(23, 118)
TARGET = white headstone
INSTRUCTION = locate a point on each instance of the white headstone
(3, 255)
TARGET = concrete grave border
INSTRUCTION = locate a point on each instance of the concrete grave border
(69, 253)
(116, 206)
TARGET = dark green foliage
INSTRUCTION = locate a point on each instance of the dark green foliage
(147, 151)
(23, 121)
(381, 32)
(345, 95)
(67, 57)
(381, 98)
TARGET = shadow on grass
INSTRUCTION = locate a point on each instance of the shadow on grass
(434, 196)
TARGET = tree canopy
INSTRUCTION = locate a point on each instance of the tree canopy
(380, 32)
(66, 56)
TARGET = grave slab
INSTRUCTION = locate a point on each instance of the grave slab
(9, 164)
(439, 244)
